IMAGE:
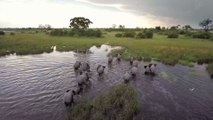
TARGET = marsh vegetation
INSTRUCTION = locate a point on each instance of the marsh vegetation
(186, 49)
(119, 103)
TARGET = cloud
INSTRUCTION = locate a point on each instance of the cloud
(31, 13)
(184, 12)
(104, 13)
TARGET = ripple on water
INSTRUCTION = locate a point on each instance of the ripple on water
(32, 86)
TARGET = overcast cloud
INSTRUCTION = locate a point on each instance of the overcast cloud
(104, 13)
(184, 11)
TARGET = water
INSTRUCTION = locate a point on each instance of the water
(32, 87)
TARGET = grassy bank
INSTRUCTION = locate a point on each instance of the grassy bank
(120, 103)
(23, 44)
(183, 50)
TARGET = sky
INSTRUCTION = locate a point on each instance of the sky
(104, 13)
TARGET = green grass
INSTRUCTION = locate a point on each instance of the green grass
(186, 63)
(120, 103)
(210, 69)
(182, 50)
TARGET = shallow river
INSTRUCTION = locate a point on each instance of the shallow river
(32, 87)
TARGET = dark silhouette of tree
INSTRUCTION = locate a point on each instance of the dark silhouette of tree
(187, 27)
(173, 28)
(80, 23)
(121, 26)
(158, 28)
(206, 24)
(46, 26)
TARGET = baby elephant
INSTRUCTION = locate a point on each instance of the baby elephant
(147, 70)
(68, 98)
(131, 60)
(135, 63)
(127, 77)
(152, 68)
(119, 57)
(100, 69)
(77, 65)
(110, 59)
(82, 79)
(134, 71)
(84, 67)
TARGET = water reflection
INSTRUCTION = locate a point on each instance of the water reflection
(32, 86)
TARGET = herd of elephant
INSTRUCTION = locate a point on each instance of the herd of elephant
(83, 79)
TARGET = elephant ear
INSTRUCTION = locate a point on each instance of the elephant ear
(67, 90)
(98, 67)
(81, 72)
(74, 93)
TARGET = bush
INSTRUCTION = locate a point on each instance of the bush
(118, 35)
(188, 34)
(145, 34)
(120, 103)
(141, 35)
(172, 35)
(2, 33)
(182, 32)
(57, 32)
(80, 32)
(71, 33)
(88, 33)
(12, 33)
(93, 33)
(202, 35)
(149, 34)
(129, 34)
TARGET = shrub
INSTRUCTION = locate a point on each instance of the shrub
(118, 35)
(202, 35)
(2, 33)
(172, 35)
(145, 34)
(93, 33)
(57, 32)
(148, 34)
(120, 103)
(188, 33)
(71, 33)
(129, 34)
(141, 35)
(12, 33)
(182, 32)
(77, 32)
(88, 33)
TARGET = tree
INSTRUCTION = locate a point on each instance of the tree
(178, 26)
(121, 26)
(187, 27)
(206, 24)
(113, 26)
(173, 28)
(80, 23)
(40, 26)
(47, 26)
(158, 28)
